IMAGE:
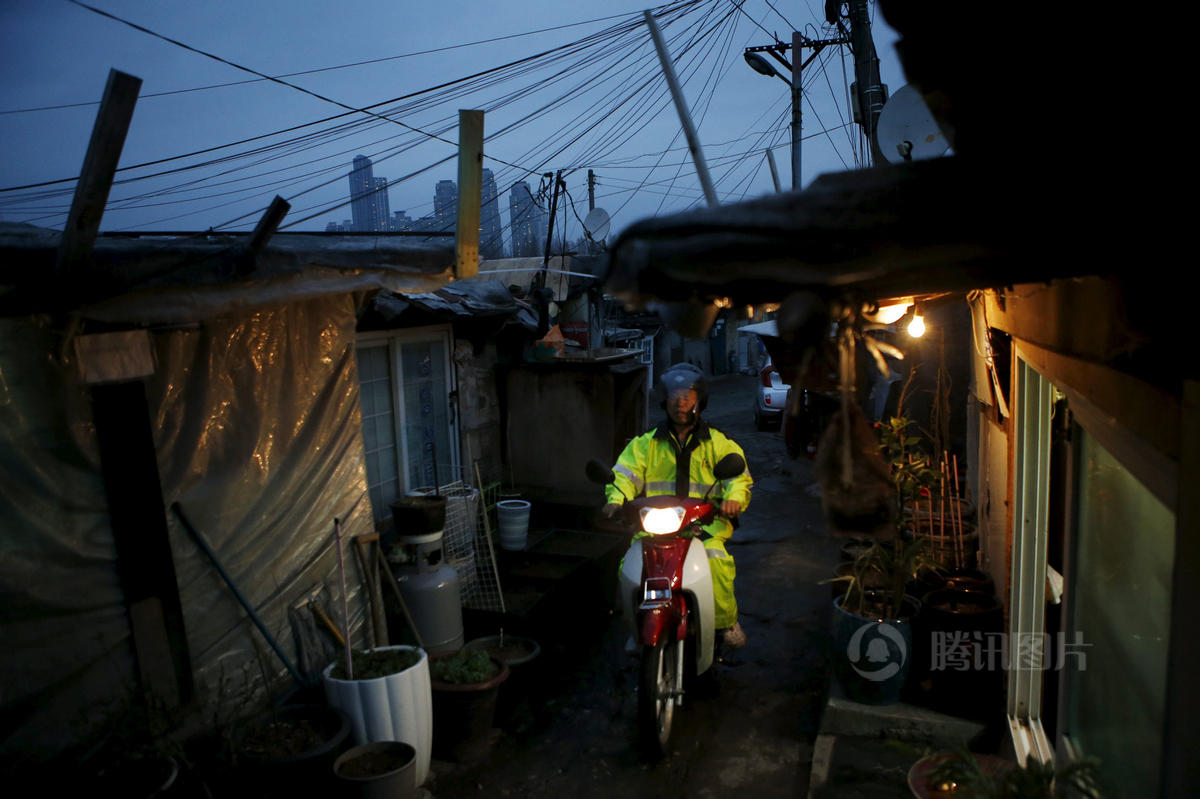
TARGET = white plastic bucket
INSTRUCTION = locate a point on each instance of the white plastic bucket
(513, 515)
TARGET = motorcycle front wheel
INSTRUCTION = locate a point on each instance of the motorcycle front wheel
(660, 684)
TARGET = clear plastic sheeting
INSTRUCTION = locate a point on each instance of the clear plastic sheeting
(258, 436)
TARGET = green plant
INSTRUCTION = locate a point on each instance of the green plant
(464, 667)
(881, 573)
(971, 779)
(371, 664)
(912, 469)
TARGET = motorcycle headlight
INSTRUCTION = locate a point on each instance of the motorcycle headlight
(662, 521)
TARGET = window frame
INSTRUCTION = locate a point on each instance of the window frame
(1032, 441)
(393, 341)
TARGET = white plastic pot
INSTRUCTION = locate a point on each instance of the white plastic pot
(398, 707)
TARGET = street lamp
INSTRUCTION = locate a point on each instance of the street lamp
(765, 67)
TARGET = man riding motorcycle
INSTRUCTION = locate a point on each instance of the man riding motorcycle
(678, 459)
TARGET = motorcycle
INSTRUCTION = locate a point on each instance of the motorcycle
(667, 593)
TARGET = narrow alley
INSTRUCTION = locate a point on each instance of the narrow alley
(575, 733)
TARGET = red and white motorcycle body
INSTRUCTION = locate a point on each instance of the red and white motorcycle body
(667, 589)
(667, 593)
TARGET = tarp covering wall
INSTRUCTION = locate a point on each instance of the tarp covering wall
(258, 437)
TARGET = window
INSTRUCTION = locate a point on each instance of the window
(1120, 618)
(405, 387)
(1111, 653)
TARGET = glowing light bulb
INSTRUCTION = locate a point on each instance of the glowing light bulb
(916, 328)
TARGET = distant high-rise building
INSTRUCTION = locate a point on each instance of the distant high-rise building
(368, 197)
(445, 205)
(527, 221)
(401, 221)
(491, 231)
(383, 207)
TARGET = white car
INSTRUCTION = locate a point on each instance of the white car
(770, 398)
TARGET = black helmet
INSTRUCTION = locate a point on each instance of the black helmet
(682, 375)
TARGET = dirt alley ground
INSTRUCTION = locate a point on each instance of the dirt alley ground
(573, 732)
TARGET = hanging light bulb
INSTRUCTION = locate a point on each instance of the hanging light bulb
(886, 314)
(916, 328)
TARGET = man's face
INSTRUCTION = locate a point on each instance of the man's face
(680, 404)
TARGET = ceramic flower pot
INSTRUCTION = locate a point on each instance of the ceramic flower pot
(379, 770)
(520, 654)
(292, 747)
(463, 714)
(871, 656)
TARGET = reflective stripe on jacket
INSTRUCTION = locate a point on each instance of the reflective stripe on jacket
(647, 467)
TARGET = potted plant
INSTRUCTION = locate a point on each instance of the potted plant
(133, 750)
(928, 493)
(872, 620)
(911, 468)
(291, 747)
(387, 696)
(520, 654)
(962, 774)
(465, 685)
(379, 769)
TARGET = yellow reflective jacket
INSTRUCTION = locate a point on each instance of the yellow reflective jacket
(648, 466)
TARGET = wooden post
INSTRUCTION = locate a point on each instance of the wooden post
(263, 231)
(99, 167)
(774, 170)
(470, 190)
(268, 224)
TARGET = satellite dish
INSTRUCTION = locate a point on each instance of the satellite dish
(596, 224)
(907, 128)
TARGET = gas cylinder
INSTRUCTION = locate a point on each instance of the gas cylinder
(430, 588)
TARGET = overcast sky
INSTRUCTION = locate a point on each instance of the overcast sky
(595, 102)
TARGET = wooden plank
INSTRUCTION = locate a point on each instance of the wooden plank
(99, 166)
(470, 191)
(268, 224)
(145, 564)
(155, 663)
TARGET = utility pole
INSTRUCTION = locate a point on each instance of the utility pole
(869, 94)
(795, 68)
(550, 227)
(591, 190)
(685, 116)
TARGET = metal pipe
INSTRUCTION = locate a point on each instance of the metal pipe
(262, 628)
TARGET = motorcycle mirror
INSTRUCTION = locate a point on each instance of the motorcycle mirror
(730, 466)
(597, 472)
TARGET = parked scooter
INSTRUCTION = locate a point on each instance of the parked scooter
(666, 588)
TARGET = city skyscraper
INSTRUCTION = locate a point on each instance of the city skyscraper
(527, 221)
(491, 232)
(368, 197)
(445, 204)
(383, 212)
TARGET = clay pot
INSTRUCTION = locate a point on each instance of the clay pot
(419, 514)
